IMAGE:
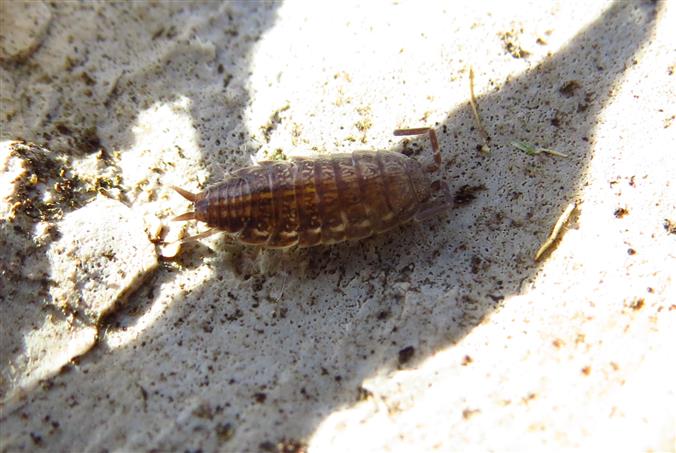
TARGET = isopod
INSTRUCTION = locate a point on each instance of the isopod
(313, 201)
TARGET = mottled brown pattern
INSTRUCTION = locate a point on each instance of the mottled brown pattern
(308, 202)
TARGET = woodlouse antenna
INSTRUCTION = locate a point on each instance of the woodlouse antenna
(434, 166)
(185, 194)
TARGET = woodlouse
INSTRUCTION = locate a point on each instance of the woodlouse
(308, 202)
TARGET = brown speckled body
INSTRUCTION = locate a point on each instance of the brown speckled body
(307, 202)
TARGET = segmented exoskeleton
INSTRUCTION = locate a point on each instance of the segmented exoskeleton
(313, 201)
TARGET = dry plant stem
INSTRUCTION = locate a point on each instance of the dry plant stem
(532, 150)
(556, 231)
(477, 118)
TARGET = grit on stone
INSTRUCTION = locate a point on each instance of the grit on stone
(102, 255)
(442, 335)
(61, 279)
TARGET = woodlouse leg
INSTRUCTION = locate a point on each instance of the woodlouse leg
(202, 235)
(434, 166)
(436, 206)
(261, 163)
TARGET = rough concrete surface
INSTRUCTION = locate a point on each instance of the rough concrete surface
(442, 335)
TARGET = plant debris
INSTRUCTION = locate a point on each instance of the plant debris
(477, 118)
(556, 231)
(533, 150)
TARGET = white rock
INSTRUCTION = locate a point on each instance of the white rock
(102, 256)
(22, 28)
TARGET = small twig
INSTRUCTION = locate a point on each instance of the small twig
(533, 150)
(477, 118)
(556, 231)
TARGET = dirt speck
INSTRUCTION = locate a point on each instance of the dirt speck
(637, 304)
(467, 194)
(224, 432)
(274, 121)
(468, 413)
(569, 88)
(363, 394)
(621, 212)
(406, 354)
(511, 44)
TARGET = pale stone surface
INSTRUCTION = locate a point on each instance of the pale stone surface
(101, 256)
(59, 280)
(23, 25)
(439, 336)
